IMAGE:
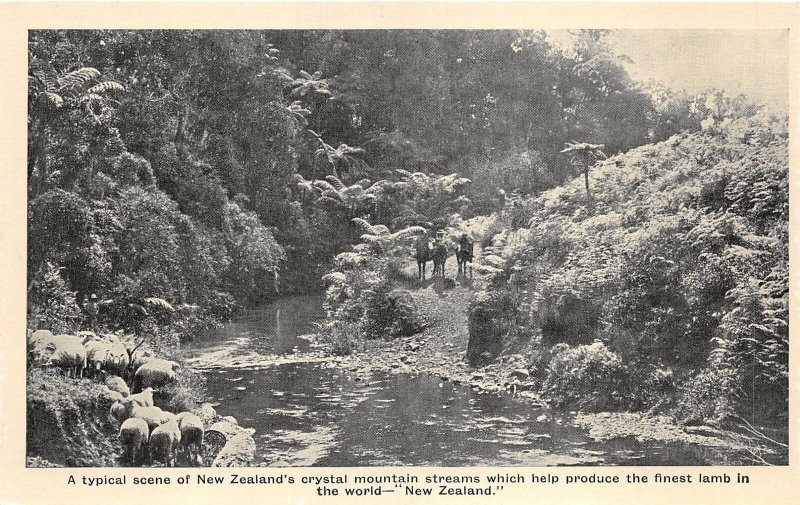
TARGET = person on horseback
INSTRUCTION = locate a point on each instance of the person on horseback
(464, 255)
(423, 253)
(439, 254)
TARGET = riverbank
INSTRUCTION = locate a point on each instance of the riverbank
(439, 350)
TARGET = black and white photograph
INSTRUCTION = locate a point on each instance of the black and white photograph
(407, 248)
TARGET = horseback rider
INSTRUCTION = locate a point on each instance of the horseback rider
(439, 254)
(423, 252)
(465, 253)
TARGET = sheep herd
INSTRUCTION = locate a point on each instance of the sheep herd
(146, 431)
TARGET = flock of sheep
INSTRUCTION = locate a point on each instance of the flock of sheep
(144, 428)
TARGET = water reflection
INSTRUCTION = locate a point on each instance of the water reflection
(307, 413)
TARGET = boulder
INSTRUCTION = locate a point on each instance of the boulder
(238, 451)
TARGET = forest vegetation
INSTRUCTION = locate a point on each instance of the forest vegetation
(634, 237)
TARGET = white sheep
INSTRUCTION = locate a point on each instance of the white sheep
(142, 399)
(154, 416)
(119, 411)
(37, 341)
(155, 373)
(115, 383)
(164, 440)
(38, 344)
(106, 355)
(118, 360)
(39, 336)
(86, 336)
(97, 353)
(133, 434)
(68, 355)
(191, 435)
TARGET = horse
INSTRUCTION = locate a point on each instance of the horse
(439, 259)
(464, 258)
(423, 253)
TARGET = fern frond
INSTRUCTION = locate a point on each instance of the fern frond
(332, 194)
(379, 229)
(325, 200)
(366, 199)
(325, 186)
(361, 248)
(408, 232)
(333, 278)
(53, 100)
(344, 149)
(353, 192)
(46, 74)
(159, 302)
(350, 259)
(90, 99)
(362, 225)
(379, 186)
(106, 87)
(335, 182)
(77, 79)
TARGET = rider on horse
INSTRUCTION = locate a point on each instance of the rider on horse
(464, 254)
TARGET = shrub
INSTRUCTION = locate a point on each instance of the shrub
(186, 393)
(51, 305)
(341, 337)
(589, 377)
(389, 313)
(709, 396)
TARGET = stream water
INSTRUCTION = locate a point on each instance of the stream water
(307, 413)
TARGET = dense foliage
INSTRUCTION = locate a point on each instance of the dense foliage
(180, 174)
(678, 263)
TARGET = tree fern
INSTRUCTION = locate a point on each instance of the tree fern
(49, 95)
(583, 156)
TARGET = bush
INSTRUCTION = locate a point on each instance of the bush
(187, 392)
(341, 337)
(589, 377)
(389, 313)
(51, 305)
(706, 397)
